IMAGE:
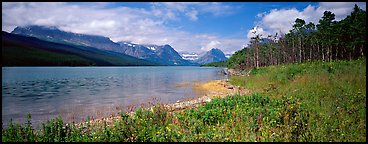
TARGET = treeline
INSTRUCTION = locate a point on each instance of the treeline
(327, 41)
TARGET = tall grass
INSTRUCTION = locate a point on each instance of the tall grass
(333, 94)
(313, 101)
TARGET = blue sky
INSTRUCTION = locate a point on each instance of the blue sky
(189, 26)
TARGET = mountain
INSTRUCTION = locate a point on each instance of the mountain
(18, 50)
(214, 55)
(166, 56)
(141, 52)
(169, 55)
(55, 35)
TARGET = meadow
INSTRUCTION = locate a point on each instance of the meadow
(307, 102)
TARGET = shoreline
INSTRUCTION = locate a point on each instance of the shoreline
(212, 89)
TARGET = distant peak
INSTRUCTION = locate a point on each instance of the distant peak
(215, 50)
(167, 45)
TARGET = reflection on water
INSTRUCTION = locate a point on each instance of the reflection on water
(75, 92)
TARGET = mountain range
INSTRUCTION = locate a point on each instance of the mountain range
(154, 54)
(18, 50)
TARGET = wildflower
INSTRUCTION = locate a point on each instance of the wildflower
(168, 129)
(258, 117)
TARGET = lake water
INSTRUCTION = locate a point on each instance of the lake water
(76, 92)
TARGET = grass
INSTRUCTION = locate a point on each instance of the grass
(331, 94)
(315, 101)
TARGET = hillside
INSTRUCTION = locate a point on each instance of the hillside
(29, 51)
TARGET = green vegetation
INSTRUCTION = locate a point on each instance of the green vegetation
(329, 98)
(23, 56)
(326, 41)
(216, 64)
(314, 101)
(313, 89)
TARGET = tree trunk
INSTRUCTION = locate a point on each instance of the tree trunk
(300, 50)
(350, 54)
(285, 56)
(293, 50)
(331, 52)
(317, 55)
(353, 53)
(323, 55)
(361, 51)
(257, 58)
(271, 61)
(336, 51)
(254, 57)
(310, 52)
(328, 53)
(342, 53)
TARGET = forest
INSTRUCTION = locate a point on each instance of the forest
(328, 40)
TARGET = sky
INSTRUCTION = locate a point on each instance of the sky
(186, 26)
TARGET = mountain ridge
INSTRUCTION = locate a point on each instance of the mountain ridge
(19, 50)
(167, 56)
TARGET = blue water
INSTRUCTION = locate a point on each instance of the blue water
(78, 92)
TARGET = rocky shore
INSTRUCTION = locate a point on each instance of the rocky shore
(234, 72)
(212, 89)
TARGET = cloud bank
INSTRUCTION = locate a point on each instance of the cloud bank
(138, 25)
(281, 20)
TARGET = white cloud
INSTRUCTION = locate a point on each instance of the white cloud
(218, 9)
(257, 30)
(191, 9)
(261, 14)
(340, 9)
(142, 26)
(232, 45)
(210, 45)
(192, 15)
(281, 20)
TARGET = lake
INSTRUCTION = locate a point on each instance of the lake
(78, 92)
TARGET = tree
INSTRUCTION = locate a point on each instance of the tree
(255, 44)
(358, 20)
(310, 29)
(325, 28)
(299, 30)
(328, 40)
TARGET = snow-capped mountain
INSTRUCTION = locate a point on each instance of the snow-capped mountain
(164, 55)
